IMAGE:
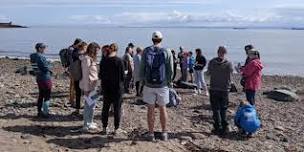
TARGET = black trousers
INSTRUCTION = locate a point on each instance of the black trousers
(78, 94)
(219, 103)
(45, 88)
(139, 88)
(109, 99)
(174, 71)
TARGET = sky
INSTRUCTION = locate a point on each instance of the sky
(276, 13)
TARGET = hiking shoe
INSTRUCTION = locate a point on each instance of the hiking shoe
(104, 131)
(215, 131)
(42, 115)
(164, 136)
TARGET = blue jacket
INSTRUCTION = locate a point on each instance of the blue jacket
(191, 62)
(246, 118)
(43, 72)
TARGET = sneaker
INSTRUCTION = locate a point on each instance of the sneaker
(150, 137)
(118, 131)
(93, 126)
(84, 129)
(164, 136)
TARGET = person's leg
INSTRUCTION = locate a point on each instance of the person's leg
(86, 114)
(40, 99)
(250, 95)
(163, 118)
(47, 97)
(72, 93)
(215, 110)
(223, 108)
(105, 111)
(78, 94)
(137, 87)
(203, 83)
(117, 110)
(151, 118)
(174, 72)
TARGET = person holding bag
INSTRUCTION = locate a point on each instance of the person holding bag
(88, 83)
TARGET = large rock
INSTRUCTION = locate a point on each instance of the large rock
(282, 95)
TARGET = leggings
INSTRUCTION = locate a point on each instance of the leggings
(78, 94)
(45, 88)
(139, 87)
(116, 100)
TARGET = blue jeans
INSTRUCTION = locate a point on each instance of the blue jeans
(200, 79)
(88, 114)
(250, 95)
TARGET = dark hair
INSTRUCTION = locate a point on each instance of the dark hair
(156, 41)
(131, 45)
(40, 46)
(77, 41)
(92, 50)
(248, 47)
(198, 51)
(222, 50)
(173, 52)
(190, 52)
(81, 45)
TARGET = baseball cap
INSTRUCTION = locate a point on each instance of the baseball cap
(40, 45)
(157, 35)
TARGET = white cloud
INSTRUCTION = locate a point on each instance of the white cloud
(180, 18)
(102, 3)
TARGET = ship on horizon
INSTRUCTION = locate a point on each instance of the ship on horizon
(10, 25)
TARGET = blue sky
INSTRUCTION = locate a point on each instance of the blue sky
(154, 12)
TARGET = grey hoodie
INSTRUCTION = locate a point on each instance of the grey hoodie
(220, 74)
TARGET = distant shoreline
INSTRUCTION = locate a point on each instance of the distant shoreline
(20, 59)
(10, 25)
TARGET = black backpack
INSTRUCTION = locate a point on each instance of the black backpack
(64, 59)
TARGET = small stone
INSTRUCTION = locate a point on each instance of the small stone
(280, 128)
(25, 137)
(284, 139)
(198, 136)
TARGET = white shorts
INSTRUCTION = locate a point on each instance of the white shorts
(159, 96)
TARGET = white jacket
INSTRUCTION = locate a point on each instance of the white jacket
(89, 78)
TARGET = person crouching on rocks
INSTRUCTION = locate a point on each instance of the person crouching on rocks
(112, 78)
(88, 83)
(43, 78)
(246, 119)
(252, 73)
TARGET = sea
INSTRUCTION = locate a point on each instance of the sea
(282, 50)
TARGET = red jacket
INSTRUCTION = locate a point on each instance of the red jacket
(253, 74)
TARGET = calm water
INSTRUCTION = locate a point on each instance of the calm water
(281, 50)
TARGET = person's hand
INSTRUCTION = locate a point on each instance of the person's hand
(86, 93)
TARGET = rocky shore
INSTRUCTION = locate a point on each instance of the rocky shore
(189, 124)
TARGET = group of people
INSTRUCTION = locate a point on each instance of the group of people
(153, 71)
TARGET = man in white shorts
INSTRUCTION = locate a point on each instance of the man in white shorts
(156, 72)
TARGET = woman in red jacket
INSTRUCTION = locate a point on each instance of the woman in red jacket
(252, 72)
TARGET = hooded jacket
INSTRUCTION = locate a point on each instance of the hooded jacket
(41, 67)
(246, 118)
(220, 74)
(252, 73)
(89, 78)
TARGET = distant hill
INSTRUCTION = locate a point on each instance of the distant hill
(10, 25)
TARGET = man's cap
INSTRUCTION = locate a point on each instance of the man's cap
(157, 35)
